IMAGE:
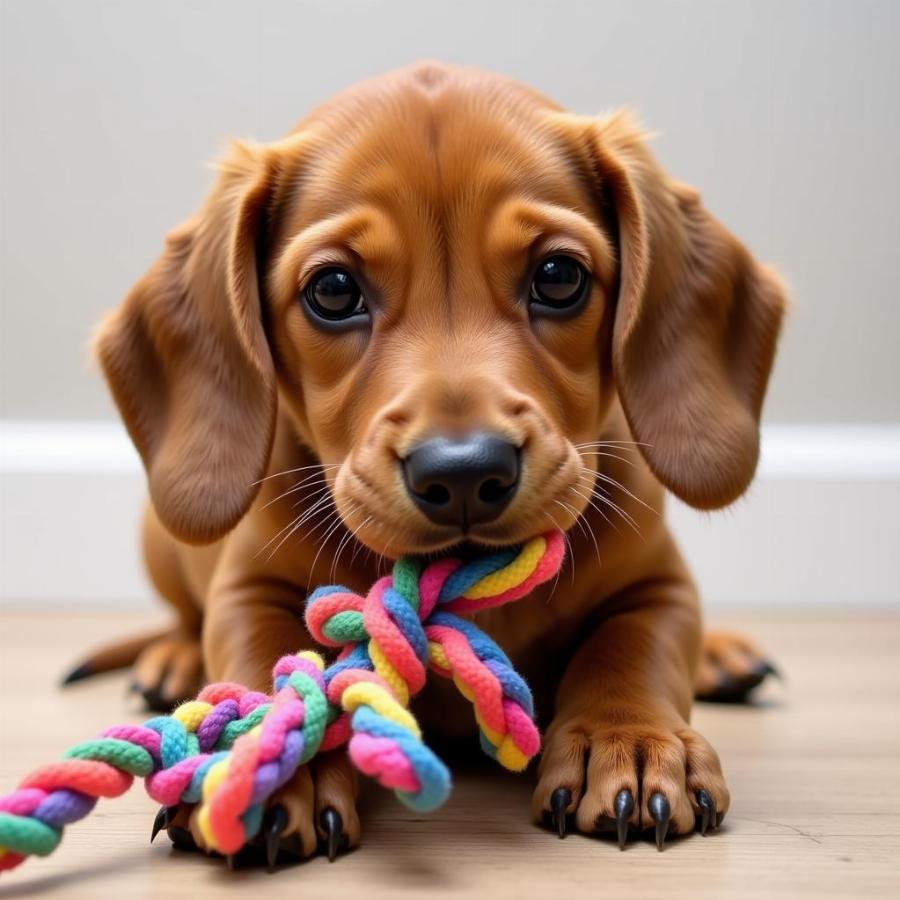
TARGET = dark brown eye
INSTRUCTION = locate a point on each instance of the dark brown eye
(333, 294)
(560, 282)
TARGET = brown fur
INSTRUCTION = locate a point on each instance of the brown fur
(440, 186)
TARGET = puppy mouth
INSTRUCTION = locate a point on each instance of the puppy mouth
(468, 546)
(468, 549)
(456, 541)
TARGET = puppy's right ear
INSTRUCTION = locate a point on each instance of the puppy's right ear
(696, 324)
(187, 359)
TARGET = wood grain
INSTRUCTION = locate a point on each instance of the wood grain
(814, 770)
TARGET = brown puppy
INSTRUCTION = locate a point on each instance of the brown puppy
(444, 309)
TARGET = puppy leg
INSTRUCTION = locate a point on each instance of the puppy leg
(244, 634)
(731, 666)
(167, 666)
(620, 753)
(170, 669)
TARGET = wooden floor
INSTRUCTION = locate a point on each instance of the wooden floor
(814, 770)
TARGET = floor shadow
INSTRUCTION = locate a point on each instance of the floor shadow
(42, 885)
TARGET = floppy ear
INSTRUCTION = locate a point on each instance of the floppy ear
(188, 362)
(696, 325)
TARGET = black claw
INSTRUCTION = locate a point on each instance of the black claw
(77, 674)
(151, 696)
(273, 827)
(764, 668)
(181, 838)
(707, 811)
(729, 689)
(559, 803)
(660, 812)
(624, 807)
(732, 689)
(333, 826)
(162, 820)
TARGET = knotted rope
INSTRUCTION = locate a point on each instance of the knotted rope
(232, 748)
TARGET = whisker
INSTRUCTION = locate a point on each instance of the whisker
(571, 553)
(324, 499)
(296, 488)
(584, 527)
(571, 510)
(280, 532)
(622, 444)
(380, 557)
(299, 469)
(621, 487)
(307, 497)
(298, 526)
(628, 462)
(339, 521)
(591, 530)
(349, 536)
(379, 560)
(326, 525)
(593, 473)
(605, 498)
(332, 572)
(298, 523)
(360, 544)
(559, 570)
(597, 508)
(332, 512)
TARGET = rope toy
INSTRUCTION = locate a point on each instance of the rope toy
(232, 748)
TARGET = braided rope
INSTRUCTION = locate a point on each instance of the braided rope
(232, 748)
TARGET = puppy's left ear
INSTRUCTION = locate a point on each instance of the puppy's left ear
(696, 325)
(187, 358)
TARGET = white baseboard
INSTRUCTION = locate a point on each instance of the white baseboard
(819, 528)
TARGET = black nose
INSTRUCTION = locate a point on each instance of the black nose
(462, 482)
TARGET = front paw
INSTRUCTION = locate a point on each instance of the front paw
(168, 671)
(731, 668)
(628, 778)
(314, 811)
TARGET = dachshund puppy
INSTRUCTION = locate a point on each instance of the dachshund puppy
(445, 311)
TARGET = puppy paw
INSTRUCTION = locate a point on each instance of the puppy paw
(314, 811)
(627, 779)
(168, 671)
(730, 668)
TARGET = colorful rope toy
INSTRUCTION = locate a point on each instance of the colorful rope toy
(232, 748)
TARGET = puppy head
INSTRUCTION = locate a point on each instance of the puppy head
(443, 280)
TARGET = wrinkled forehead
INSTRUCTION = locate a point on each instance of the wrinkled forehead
(421, 169)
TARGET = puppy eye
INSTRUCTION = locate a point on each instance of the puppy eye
(333, 295)
(559, 283)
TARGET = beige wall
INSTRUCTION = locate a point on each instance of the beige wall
(786, 115)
